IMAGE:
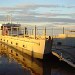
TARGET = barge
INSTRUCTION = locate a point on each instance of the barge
(33, 45)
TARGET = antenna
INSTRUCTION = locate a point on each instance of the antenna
(9, 18)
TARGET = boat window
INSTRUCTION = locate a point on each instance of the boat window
(7, 40)
(23, 46)
(16, 43)
(16, 54)
(11, 51)
(11, 43)
(23, 59)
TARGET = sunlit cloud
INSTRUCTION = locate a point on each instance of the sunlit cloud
(26, 13)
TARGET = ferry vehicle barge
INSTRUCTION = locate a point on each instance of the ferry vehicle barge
(33, 45)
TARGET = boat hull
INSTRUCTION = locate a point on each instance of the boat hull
(37, 48)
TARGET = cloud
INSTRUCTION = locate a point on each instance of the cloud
(25, 7)
(58, 14)
(42, 19)
(27, 13)
(31, 18)
(71, 6)
(33, 7)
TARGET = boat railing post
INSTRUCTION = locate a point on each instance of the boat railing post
(35, 32)
(3, 30)
(45, 32)
(11, 30)
(52, 31)
(32, 31)
(63, 30)
(24, 31)
(8, 32)
(17, 30)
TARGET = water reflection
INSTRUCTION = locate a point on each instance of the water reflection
(10, 68)
(13, 62)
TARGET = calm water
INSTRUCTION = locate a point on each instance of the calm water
(13, 62)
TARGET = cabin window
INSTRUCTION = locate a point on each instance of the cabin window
(59, 43)
(11, 43)
(7, 40)
(11, 51)
(16, 54)
(23, 45)
(23, 59)
(16, 43)
(39, 43)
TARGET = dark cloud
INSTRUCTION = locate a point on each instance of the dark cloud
(42, 19)
(32, 18)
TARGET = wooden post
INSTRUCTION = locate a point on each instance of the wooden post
(52, 31)
(24, 31)
(8, 32)
(17, 30)
(32, 31)
(3, 30)
(11, 31)
(45, 32)
(35, 32)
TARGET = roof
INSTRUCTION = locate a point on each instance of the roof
(11, 24)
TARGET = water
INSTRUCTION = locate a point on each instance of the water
(10, 67)
(15, 63)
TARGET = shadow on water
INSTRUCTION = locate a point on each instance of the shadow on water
(57, 68)
(13, 62)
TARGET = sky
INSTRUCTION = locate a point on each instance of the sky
(38, 11)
